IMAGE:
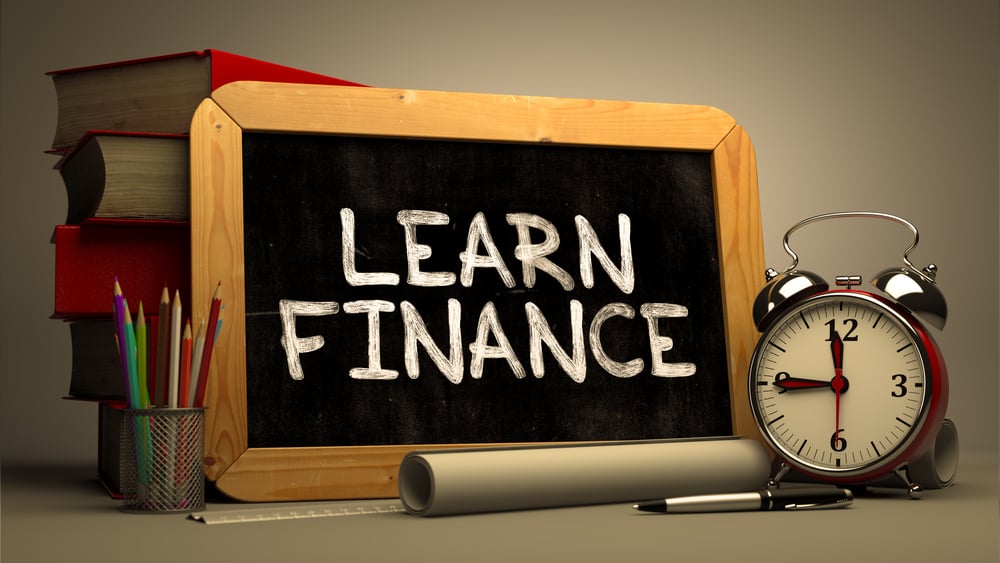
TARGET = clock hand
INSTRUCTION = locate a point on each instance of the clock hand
(789, 383)
(838, 382)
(837, 349)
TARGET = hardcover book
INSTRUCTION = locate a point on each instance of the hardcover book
(96, 372)
(117, 174)
(145, 255)
(157, 94)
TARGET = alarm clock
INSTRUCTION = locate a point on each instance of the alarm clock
(847, 386)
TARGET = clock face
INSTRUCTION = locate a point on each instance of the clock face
(840, 385)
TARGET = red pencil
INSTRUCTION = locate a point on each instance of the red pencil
(206, 355)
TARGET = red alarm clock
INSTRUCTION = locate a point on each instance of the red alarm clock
(848, 386)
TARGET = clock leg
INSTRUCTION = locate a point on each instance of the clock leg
(913, 489)
(775, 482)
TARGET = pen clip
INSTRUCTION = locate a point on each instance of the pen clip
(842, 502)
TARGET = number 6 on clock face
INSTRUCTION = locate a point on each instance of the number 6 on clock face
(846, 386)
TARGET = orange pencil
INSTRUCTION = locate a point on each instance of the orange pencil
(185, 378)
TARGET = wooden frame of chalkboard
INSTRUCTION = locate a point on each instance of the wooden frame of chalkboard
(241, 135)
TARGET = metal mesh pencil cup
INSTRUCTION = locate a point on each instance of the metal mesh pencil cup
(163, 461)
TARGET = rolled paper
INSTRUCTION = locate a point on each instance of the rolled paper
(461, 481)
(936, 469)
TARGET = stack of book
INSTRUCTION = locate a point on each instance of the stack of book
(122, 142)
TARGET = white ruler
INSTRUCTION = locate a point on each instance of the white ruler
(263, 513)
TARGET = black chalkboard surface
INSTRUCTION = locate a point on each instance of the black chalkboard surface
(295, 189)
(415, 276)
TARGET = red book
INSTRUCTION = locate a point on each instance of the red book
(156, 94)
(144, 254)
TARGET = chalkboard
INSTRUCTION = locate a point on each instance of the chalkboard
(409, 269)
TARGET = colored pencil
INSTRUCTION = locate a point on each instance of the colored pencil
(206, 357)
(159, 379)
(196, 354)
(175, 350)
(141, 358)
(133, 382)
(152, 342)
(218, 324)
(119, 310)
(185, 366)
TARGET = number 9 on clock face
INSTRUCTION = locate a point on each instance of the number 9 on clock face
(846, 386)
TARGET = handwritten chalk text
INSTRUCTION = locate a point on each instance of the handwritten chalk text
(491, 341)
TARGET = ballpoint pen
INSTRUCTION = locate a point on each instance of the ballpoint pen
(798, 498)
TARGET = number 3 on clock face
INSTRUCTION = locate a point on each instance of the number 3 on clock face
(845, 386)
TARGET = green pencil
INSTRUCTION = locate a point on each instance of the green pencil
(130, 359)
(141, 358)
